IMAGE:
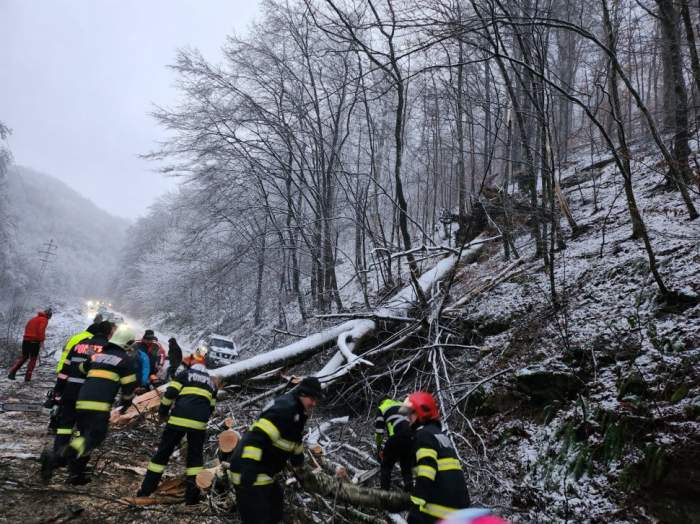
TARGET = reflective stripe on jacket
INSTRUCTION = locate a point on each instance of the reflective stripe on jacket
(389, 421)
(440, 487)
(72, 341)
(193, 393)
(107, 372)
(71, 378)
(272, 440)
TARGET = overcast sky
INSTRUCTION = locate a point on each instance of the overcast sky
(78, 79)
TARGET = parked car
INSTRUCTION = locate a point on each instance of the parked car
(222, 350)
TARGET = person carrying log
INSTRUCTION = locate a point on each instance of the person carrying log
(398, 446)
(264, 450)
(106, 373)
(440, 487)
(67, 389)
(193, 393)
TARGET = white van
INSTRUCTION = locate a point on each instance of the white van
(222, 350)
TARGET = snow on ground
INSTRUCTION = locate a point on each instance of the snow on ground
(612, 327)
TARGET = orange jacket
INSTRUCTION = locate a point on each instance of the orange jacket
(36, 328)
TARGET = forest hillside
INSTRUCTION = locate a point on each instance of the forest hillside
(50, 221)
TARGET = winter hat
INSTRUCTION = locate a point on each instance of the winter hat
(123, 336)
(473, 516)
(149, 335)
(309, 387)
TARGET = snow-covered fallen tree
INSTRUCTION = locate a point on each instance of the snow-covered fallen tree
(348, 335)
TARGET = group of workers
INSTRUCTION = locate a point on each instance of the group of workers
(99, 363)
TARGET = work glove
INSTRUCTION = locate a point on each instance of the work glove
(124, 409)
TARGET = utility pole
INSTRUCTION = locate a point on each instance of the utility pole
(46, 254)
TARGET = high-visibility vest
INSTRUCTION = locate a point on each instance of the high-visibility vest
(72, 341)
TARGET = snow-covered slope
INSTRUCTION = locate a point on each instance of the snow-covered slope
(597, 420)
(87, 239)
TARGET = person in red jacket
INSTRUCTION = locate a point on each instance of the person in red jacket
(34, 335)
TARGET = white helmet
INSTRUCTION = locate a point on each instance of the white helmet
(123, 336)
(201, 350)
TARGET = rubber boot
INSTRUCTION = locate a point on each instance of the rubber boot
(48, 463)
(192, 494)
(76, 471)
(149, 484)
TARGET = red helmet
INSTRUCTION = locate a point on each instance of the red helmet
(424, 406)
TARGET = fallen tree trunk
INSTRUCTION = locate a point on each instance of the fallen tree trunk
(284, 356)
(316, 481)
(347, 335)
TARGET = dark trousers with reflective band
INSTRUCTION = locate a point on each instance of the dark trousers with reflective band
(398, 448)
(260, 504)
(93, 426)
(30, 351)
(168, 442)
(66, 421)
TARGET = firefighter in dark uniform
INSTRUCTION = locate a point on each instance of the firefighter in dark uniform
(68, 385)
(264, 450)
(194, 394)
(440, 488)
(107, 372)
(398, 446)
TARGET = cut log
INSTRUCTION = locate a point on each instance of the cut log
(205, 478)
(209, 476)
(316, 481)
(228, 440)
(147, 402)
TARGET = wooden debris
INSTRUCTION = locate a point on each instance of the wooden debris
(145, 403)
(170, 491)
